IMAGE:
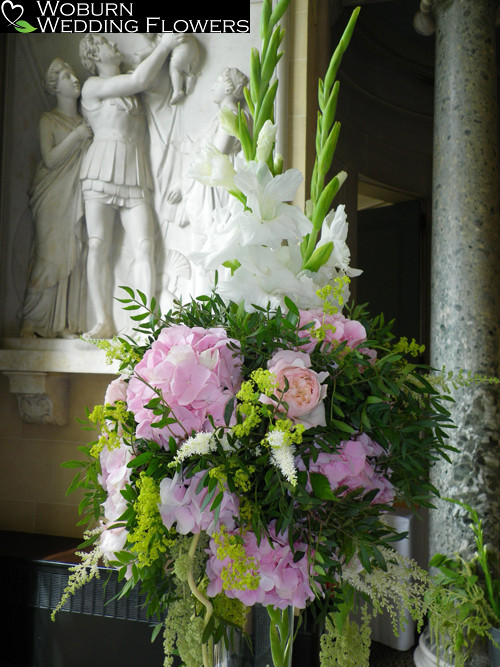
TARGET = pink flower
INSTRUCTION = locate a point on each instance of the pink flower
(353, 466)
(281, 581)
(111, 541)
(114, 476)
(337, 329)
(181, 505)
(305, 392)
(196, 371)
(116, 391)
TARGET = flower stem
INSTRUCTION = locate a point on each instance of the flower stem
(199, 596)
(281, 635)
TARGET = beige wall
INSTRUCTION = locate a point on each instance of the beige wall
(32, 483)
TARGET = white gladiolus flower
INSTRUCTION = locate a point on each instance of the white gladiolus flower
(267, 275)
(334, 229)
(211, 167)
(265, 141)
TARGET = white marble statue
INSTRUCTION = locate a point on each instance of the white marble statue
(115, 172)
(166, 123)
(54, 303)
(197, 201)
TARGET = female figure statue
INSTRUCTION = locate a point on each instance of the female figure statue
(197, 200)
(54, 305)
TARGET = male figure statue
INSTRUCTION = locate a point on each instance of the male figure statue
(115, 171)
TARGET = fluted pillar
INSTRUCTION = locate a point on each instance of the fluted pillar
(465, 279)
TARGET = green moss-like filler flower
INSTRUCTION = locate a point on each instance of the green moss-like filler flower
(183, 628)
(179, 630)
(116, 350)
(247, 406)
(242, 480)
(107, 417)
(332, 296)
(240, 572)
(148, 540)
(265, 381)
(86, 570)
(412, 348)
(231, 610)
(261, 382)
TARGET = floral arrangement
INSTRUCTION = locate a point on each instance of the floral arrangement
(257, 436)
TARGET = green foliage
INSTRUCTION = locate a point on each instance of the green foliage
(465, 597)
(322, 193)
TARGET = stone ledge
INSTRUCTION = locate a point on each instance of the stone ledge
(53, 355)
(38, 371)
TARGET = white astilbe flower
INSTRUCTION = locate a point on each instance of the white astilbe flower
(84, 571)
(283, 455)
(199, 444)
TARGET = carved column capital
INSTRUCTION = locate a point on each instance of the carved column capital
(42, 398)
(424, 20)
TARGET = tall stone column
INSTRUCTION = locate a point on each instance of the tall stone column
(465, 279)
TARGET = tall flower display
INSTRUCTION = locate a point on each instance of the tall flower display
(258, 436)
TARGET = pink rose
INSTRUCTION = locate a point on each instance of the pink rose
(354, 465)
(305, 392)
(337, 329)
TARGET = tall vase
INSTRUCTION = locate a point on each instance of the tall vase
(234, 655)
(271, 633)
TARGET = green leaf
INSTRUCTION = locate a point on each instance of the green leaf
(23, 26)
(342, 426)
(319, 257)
(321, 486)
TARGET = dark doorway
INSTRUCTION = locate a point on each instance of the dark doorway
(390, 242)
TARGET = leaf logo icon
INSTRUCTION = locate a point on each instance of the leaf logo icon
(12, 14)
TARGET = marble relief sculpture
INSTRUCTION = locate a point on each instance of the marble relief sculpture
(114, 202)
(115, 172)
(54, 303)
(198, 200)
(164, 111)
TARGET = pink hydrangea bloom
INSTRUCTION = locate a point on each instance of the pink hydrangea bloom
(116, 391)
(353, 466)
(197, 372)
(281, 581)
(181, 505)
(112, 540)
(305, 392)
(113, 478)
(337, 329)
